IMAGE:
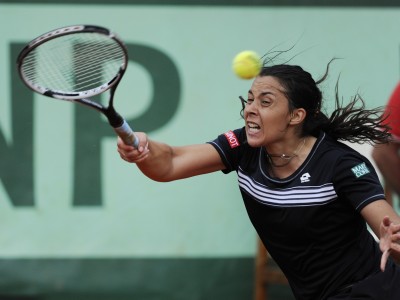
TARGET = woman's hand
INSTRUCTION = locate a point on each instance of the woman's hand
(389, 241)
(162, 162)
(132, 155)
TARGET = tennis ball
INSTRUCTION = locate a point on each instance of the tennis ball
(246, 64)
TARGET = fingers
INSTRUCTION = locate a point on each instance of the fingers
(395, 228)
(134, 156)
(386, 221)
(131, 154)
(389, 227)
(384, 259)
(395, 248)
(389, 240)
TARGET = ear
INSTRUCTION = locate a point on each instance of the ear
(298, 115)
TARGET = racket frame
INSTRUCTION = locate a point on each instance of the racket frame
(116, 121)
(72, 96)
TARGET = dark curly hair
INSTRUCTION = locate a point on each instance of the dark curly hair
(352, 122)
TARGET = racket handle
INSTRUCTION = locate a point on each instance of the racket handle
(127, 135)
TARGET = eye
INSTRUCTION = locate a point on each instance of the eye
(250, 100)
(265, 102)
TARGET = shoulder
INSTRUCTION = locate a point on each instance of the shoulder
(233, 148)
(335, 149)
(341, 158)
(353, 176)
(231, 139)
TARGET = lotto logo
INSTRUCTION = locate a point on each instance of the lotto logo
(305, 177)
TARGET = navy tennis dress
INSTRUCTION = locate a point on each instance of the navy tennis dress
(310, 222)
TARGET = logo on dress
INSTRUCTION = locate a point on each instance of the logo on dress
(305, 177)
(232, 139)
(360, 170)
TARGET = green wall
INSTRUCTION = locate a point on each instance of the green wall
(77, 220)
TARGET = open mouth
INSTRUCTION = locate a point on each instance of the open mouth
(253, 127)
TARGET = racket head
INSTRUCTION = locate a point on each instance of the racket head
(73, 62)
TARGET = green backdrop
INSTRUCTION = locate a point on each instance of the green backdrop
(78, 222)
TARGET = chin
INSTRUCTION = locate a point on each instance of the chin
(254, 143)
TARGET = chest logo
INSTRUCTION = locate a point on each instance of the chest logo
(305, 177)
(232, 139)
(360, 170)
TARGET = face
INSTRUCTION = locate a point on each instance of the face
(266, 113)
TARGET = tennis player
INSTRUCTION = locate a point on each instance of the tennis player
(309, 196)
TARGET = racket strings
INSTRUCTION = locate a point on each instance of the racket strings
(87, 63)
(76, 62)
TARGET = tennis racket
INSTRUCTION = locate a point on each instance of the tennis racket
(75, 63)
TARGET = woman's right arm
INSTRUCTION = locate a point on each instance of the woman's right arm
(162, 162)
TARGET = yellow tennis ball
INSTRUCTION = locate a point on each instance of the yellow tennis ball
(247, 64)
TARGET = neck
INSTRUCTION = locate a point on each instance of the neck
(281, 160)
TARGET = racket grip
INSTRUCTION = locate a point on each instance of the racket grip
(127, 135)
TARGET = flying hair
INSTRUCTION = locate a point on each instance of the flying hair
(351, 122)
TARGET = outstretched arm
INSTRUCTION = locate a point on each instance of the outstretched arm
(162, 162)
(385, 223)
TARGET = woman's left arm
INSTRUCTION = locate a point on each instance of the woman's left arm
(385, 223)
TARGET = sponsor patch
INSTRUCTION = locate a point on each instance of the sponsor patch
(360, 170)
(232, 139)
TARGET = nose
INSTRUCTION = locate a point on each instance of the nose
(251, 108)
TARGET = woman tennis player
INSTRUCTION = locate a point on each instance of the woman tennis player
(309, 196)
